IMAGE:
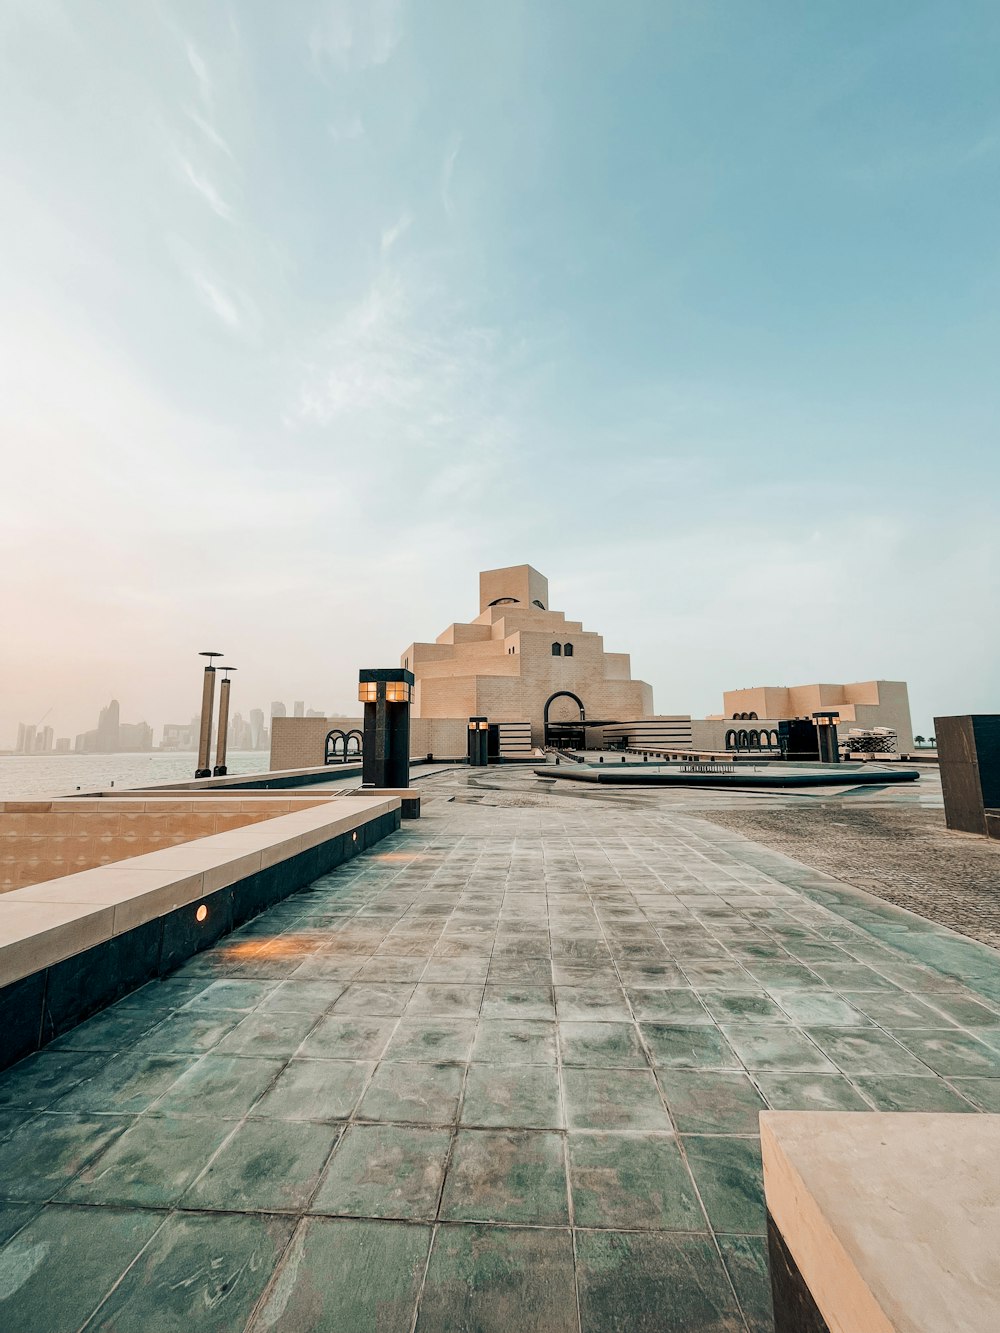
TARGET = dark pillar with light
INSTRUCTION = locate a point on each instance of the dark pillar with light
(386, 695)
(479, 737)
(826, 725)
(204, 769)
(220, 769)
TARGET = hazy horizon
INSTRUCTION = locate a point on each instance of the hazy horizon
(310, 312)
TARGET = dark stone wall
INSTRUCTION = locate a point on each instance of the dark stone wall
(46, 1004)
(969, 757)
(795, 1311)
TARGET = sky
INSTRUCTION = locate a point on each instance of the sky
(310, 311)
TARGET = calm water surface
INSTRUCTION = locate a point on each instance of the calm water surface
(57, 775)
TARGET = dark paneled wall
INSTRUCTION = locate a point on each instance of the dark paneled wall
(969, 755)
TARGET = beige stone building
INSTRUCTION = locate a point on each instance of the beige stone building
(865, 705)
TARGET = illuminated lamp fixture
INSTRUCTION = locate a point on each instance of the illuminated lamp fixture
(386, 694)
(201, 914)
(479, 740)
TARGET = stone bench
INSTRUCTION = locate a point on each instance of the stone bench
(883, 1223)
(408, 797)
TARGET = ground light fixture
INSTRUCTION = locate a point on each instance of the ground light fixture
(201, 913)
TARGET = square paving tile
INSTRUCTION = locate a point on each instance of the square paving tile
(385, 1171)
(512, 1095)
(38, 1081)
(729, 1177)
(347, 1038)
(128, 1082)
(821, 1009)
(314, 1090)
(494, 1279)
(631, 1181)
(426, 1094)
(809, 1092)
(901, 1092)
(688, 1047)
(506, 1176)
(673, 1005)
(439, 1000)
(271, 1032)
(427, 1040)
(785, 1048)
(746, 1262)
(591, 1003)
(54, 1273)
(504, 1001)
(261, 1170)
(982, 1092)
(347, 1275)
(224, 1086)
(200, 1271)
(712, 1101)
(865, 1051)
(515, 1042)
(653, 1283)
(613, 1099)
(604, 1045)
(948, 1051)
(370, 999)
(45, 1153)
(151, 1164)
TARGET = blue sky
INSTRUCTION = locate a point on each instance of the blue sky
(310, 311)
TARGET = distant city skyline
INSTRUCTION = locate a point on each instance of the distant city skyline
(309, 312)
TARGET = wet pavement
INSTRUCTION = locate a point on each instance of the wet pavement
(503, 1072)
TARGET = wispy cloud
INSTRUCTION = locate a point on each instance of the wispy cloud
(447, 173)
(390, 235)
(357, 34)
(200, 182)
(217, 301)
(206, 88)
(209, 131)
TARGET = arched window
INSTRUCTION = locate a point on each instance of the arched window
(557, 650)
(730, 740)
(567, 650)
(504, 601)
(742, 741)
(736, 717)
(752, 717)
(755, 740)
(537, 603)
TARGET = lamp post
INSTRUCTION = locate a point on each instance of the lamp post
(220, 769)
(386, 695)
(479, 739)
(826, 726)
(205, 734)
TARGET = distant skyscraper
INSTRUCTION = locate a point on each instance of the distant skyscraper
(108, 725)
(257, 728)
(48, 740)
(25, 738)
(278, 709)
(299, 708)
(315, 712)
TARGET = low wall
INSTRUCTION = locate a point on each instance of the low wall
(73, 945)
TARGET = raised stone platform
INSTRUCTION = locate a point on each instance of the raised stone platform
(883, 1223)
(741, 773)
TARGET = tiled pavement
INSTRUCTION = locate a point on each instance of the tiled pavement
(501, 1074)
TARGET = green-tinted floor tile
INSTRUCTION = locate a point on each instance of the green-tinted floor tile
(728, 1174)
(225, 1086)
(506, 1176)
(427, 1094)
(688, 1047)
(348, 1276)
(867, 1051)
(895, 1009)
(38, 1081)
(151, 1164)
(201, 1271)
(605, 1045)
(653, 1283)
(187, 1033)
(44, 1154)
(984, 1092)
(267, 1032)
(56, 1270)
(128, 1082)
(265, 1168)
(809, 1092)
(777, 1048)
(820, 1008)
(439, 1000)
(587, 1004)
(505, 1001)
(427, 1040)
(630, 1181)
(952, 1052)
(613, 1099)
(302, 997)
(746, 1260)
(385, 1171)
(513, 1095)
(515, 1042)
(13, 1216)
(711, 1101)
(347, 1038)
(385, 999)
(673, 1005)
(742, 1006)
(241, 996)
(902, 1093)
(496, 1279)
(315, 1090)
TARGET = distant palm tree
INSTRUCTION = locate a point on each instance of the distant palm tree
(932, 740)
(919, 740)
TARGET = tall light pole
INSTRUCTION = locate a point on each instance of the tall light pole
(205, 734)
(220, 749)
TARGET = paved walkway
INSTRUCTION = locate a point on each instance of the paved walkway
(503, 1073)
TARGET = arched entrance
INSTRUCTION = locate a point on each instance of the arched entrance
(354, 742)
(568, 735)
(335, 749)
